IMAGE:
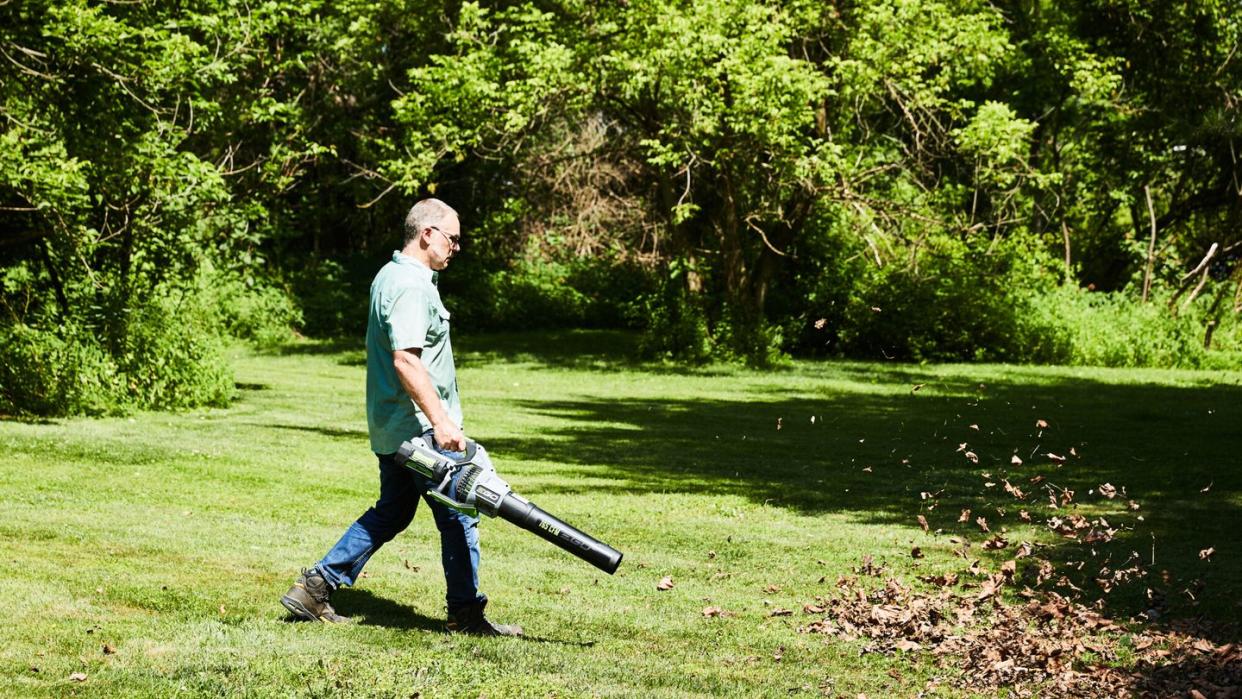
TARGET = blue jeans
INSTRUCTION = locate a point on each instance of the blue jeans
(400, 489)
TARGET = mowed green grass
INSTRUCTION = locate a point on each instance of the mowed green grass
(149, 552)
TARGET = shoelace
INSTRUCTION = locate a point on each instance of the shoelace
(318, 591)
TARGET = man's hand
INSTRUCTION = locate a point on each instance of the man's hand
(449, 436)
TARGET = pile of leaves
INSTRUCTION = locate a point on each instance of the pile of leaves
(1042, 643)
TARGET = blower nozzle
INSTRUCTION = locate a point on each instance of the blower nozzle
(471, 485)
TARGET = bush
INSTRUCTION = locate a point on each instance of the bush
(331, 295)
(585, 293)
(168, 352)
(173, 354)
(956, 305)
(256, 312)
(675, 327)
(54, 373)
(1113, 329)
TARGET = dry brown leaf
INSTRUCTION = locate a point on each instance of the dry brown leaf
(780, 612)
(1041, 424)
(907, 645)
(1203, 645)
(916, 552)
(974, 458)
(1108, 491)
(666, 583)
(772, 589)
(1207, 553)
(1014, 490)
(1055, 457)
(712, 611)
(78, 677)
(965, 517)
(109, 649)
(982, 522)
(922, 522)
(1015, 460)
(996, 543)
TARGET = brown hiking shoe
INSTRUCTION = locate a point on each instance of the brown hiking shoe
(308, 599)
(470, 619)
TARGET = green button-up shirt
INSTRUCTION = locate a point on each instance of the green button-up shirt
(406, 313)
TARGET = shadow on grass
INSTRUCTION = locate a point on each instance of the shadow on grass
(331, 432)
(380, 611)
(1173, 451)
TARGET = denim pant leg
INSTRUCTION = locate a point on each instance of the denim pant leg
(400, 489)
(459, 546)
(392, 513)
(459, 554)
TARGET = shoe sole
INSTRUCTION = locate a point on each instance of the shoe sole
(300, 611)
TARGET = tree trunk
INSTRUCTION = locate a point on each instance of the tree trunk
(57, 286)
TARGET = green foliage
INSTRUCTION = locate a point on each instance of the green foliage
(61, 372)
(1113, 329)
(957, 304)
(802, 160)
(172, 354)
(546, 295)
(166, 353)
(330, 299)
(675, 328)
(257, 312)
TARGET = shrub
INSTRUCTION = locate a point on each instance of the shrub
(1114, 329)
(331, 295)
(257, 312)
(956, 305)
(545, 295)
(172, 354)
(675, 327)
(58, 372)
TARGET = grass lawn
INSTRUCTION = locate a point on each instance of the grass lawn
(148, 553)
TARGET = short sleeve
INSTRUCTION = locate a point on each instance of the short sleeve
(407, 319)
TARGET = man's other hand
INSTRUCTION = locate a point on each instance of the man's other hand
(450, 436)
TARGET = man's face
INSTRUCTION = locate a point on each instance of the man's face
(443, 242)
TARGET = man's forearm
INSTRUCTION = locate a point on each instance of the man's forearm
(417, 384)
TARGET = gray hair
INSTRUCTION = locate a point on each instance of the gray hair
(428, 213)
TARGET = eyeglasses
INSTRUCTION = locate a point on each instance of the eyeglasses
(454, 240)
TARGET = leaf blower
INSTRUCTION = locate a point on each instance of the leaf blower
(471, 485)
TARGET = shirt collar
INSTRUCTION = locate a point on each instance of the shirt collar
(421, 269)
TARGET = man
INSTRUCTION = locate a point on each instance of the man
(411, 390)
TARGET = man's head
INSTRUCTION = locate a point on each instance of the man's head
(432, 233)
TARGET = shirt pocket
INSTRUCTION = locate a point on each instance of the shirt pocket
(438, 325)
